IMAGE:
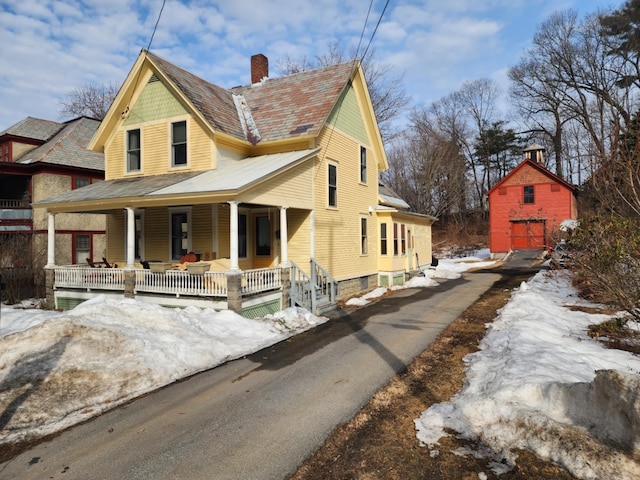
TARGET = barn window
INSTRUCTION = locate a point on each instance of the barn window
(528, 194)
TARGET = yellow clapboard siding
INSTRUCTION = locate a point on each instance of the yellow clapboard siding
(293, 188)
(114, 158)
(156, 238)
(155, 149)
(299, 232)
(201, 229)
(337, 245)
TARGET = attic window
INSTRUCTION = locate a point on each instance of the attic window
(528, 194)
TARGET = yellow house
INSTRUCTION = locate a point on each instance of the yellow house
(279, 177)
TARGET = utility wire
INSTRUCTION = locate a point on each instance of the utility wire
(155, 27)
(374, 30)
(364, 27)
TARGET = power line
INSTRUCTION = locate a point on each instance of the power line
(155, 27)
(364, 27)
(374, 30)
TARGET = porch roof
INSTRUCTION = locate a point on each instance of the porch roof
(231, 177)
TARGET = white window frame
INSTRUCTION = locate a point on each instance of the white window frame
(127, 150)
(364, 236)
(329, 185)
(173, 144)
(178, 211)
(363, 164)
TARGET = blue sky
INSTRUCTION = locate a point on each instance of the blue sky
(48, 47)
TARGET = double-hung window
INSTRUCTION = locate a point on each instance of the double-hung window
(363, 236)
(528, 194)
(395, 238)
(82, 247)
(333, 185)
(178, 143)
(383, 239)
(363, 165)
(133, 150)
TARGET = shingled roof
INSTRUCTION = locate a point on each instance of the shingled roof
(276, 108)
(68, 146)
(34, 128)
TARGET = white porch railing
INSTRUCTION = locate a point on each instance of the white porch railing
(90, 278)
(180, 282)
(261, 280)
(170, 282)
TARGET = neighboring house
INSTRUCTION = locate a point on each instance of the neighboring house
(38, 159)
(275, 184)
(527, 206)
(405, 237)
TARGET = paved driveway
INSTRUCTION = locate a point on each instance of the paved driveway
(259, 417)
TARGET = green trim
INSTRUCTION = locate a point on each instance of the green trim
(347, 117)
(262, 309)
(67, 303)
(398, 279)
(155, 103)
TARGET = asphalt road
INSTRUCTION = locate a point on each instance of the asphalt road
(259, 417)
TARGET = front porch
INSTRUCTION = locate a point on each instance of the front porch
(251, 293)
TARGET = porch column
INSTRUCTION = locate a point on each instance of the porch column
(51, 241)
(312, 234)
(233, 237)
(284, 240)
(131, 238)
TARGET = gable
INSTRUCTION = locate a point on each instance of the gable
(530, 173)
(526, 176)
(155, 102)
(346, 116)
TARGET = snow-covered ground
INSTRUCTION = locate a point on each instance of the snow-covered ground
(61, 368)
(531, 386)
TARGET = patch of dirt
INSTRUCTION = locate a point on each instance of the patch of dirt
(380, 442)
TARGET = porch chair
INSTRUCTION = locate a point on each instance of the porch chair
(107, 264)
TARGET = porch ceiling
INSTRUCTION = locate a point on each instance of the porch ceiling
(212, 186)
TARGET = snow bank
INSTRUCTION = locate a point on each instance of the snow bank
(527, 386)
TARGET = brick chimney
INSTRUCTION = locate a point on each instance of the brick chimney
(259, 68)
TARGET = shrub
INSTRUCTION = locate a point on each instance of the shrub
(605, 254)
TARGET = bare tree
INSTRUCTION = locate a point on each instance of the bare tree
(89, 100)
(463, 115)
(387, 92)
(569, 75)
(427, 170)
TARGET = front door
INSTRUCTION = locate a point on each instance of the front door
(263, 244)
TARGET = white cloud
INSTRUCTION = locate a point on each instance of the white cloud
(61, 44)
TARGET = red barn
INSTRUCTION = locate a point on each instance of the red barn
(527, 206)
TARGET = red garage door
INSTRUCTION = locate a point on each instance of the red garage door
(527, 235)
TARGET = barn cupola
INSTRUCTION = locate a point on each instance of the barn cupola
(535, 152)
